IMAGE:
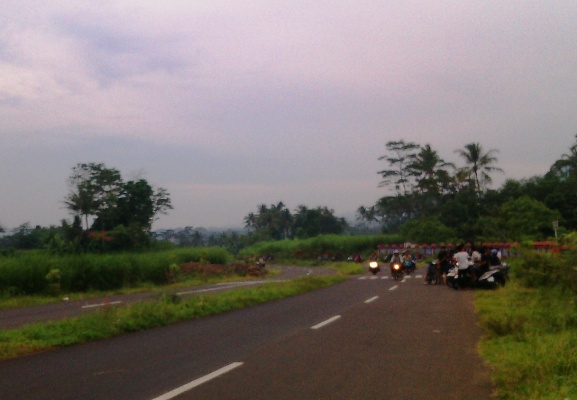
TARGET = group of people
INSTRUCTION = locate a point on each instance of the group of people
(474, 262)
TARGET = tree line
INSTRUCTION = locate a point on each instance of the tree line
(435, 200)
(432, 200)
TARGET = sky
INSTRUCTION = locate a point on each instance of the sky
(232, 104)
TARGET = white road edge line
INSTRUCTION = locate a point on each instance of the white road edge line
(101, 304)
(199, 381)
(394, 287)
(328, 321)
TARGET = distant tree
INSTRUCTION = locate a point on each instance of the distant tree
(367, 214)
(399, 155)
(25, 237)
(270, 223)
(479, 165)
(318, 221)
(136, 205)
(125, 209)
(93, 188)
(566, 166)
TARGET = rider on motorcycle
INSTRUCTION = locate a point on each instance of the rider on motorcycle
(396, 259)
(408, 263)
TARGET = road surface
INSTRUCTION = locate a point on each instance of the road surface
(362, 339)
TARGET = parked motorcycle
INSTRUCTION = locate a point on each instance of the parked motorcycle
(397, 271)
(496, 277)
(432, 274)
(374, 267)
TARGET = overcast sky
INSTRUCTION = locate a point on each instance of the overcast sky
(230, 104)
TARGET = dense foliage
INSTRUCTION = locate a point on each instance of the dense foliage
(434, 200)
(121, 212)
(277, 222)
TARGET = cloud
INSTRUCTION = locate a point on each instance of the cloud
(294, 100)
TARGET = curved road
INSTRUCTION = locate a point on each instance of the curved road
(362, 339)
(17, 317)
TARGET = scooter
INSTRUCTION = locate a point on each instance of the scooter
(408, 267)
(374, 267)
(496, 277)
(397, 271)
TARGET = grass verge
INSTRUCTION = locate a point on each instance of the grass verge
(166, 310)
(530, 341)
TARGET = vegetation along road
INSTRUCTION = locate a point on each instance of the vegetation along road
(362, 339)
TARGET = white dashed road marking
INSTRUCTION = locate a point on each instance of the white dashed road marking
(199, 381)
(328, 321)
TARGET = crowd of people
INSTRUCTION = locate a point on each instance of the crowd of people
(475, 260)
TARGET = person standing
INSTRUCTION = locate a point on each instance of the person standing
(461, 259)
(443, 264)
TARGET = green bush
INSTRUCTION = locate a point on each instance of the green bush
(535, 269)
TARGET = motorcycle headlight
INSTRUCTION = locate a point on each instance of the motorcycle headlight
(396, 266)
(373, 264)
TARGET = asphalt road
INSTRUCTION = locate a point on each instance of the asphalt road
(362, 339)
(14, 318)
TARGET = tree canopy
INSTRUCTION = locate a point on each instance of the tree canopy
(277, 222)
(457, 203)
(125, 209)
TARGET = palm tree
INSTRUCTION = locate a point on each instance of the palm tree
(430, 171)
(479, 164)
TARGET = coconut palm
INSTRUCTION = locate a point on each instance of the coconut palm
(479, 165)
(430, 171)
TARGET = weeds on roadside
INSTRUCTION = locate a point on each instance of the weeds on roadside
(531, 340)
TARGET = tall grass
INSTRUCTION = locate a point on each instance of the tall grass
(27, 272)
(531, 325)
(331, 245)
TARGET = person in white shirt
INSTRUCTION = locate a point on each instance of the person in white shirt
(461, 258)
(476, 256)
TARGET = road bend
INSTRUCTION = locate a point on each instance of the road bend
(366, 338)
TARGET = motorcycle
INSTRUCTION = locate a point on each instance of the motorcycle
(374, 267)
(496, 277)
(432, 275)
(396, 271)
(408, 267)
(260, 263)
